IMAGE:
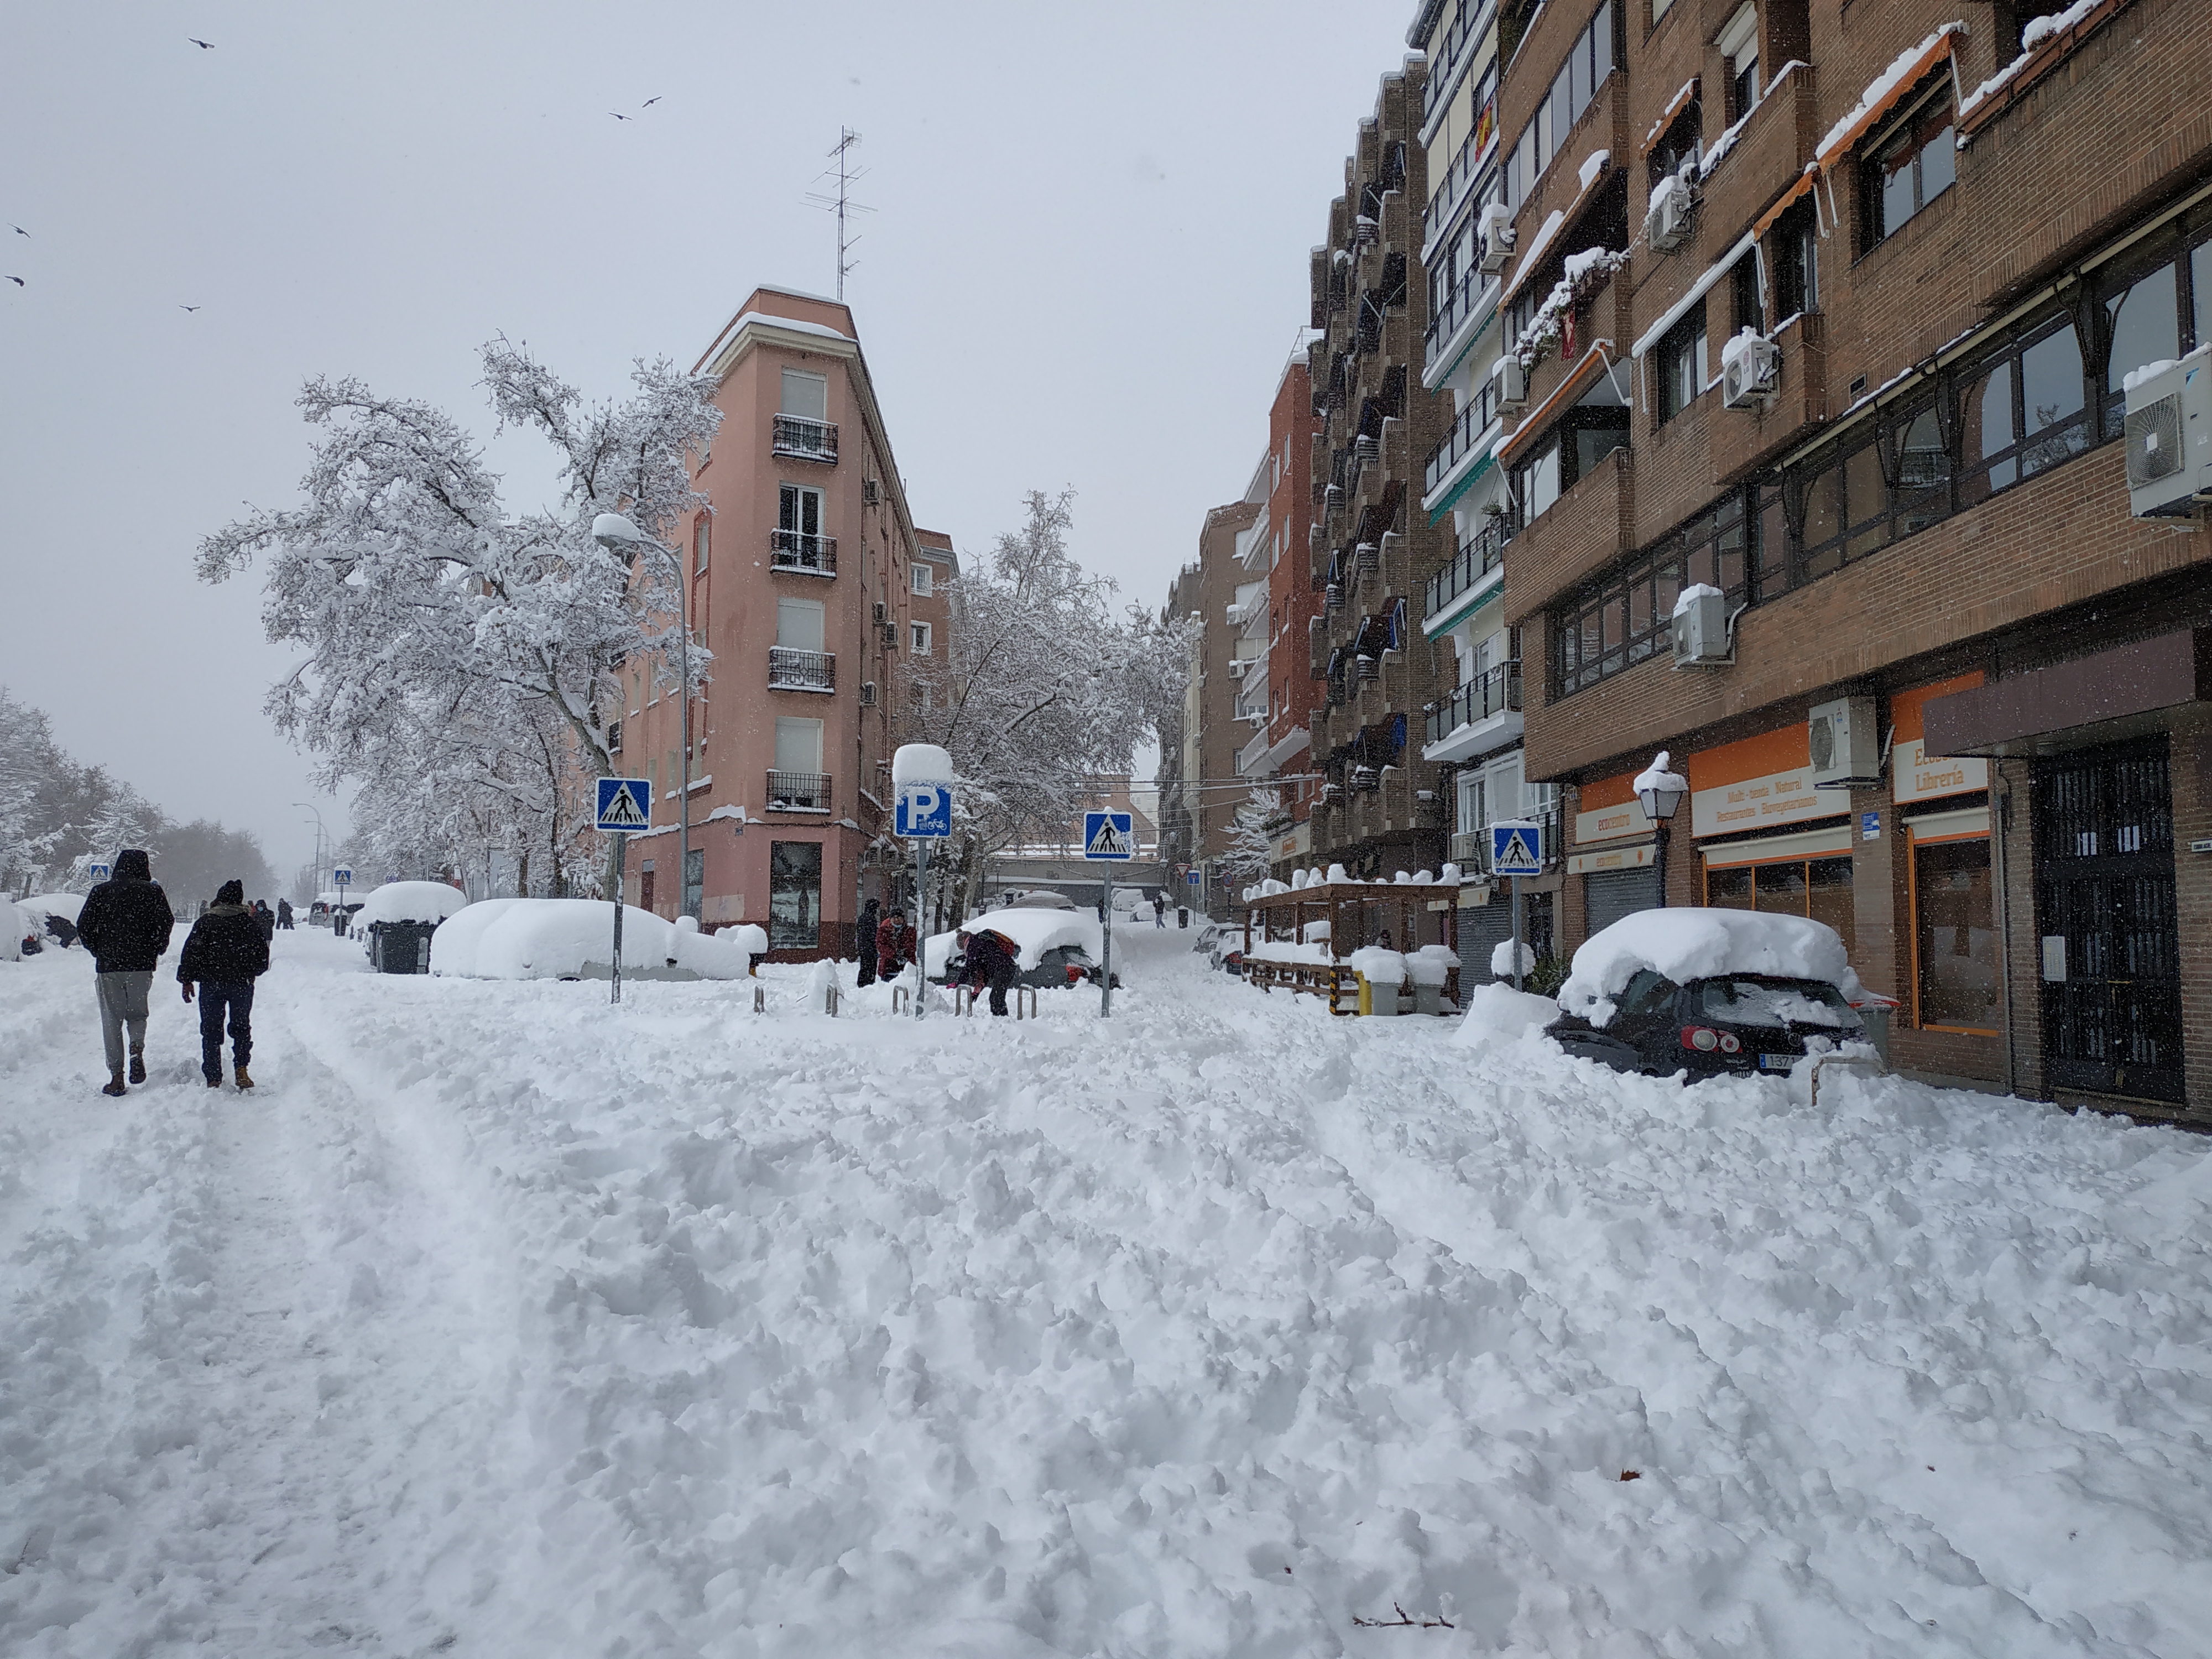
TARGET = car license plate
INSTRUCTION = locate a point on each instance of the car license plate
(1777, 1062)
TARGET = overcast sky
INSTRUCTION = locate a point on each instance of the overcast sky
(1085, 269)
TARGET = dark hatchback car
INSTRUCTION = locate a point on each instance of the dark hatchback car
(1729, 1026)
(1062, 965)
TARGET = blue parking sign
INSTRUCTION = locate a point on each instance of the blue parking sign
(924, 811)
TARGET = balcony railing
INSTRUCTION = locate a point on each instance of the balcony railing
(793, 670)
(1449, 50)
(794, 549)
(1478, 556)
(1473, 421)
(798, 791)
(804, 440)
(1496, 692)
(1458, 306)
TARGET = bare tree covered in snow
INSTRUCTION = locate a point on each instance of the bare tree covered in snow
(447, 639)
(1251, 849)
(1044, 689)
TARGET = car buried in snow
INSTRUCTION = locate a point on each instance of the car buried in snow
(1222, 947)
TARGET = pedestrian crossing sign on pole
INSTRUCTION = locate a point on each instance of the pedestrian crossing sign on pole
(624, 804)
(1516, 848)
(1109, 836)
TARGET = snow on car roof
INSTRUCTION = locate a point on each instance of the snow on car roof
(1683, 945)
(411, 901)
(556, 939)
(1033, 932)
(66, 905)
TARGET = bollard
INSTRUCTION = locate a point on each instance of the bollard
(1028, 991)
(829, 1000)
(899, 996)
(760, 999)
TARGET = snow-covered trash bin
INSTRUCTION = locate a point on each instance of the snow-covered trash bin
(1429, 969)
(574, 939)
(400, 918)
(1381, 976)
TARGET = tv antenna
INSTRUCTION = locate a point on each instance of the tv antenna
(842, 204)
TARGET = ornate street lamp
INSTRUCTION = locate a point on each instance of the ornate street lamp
(1660, 790)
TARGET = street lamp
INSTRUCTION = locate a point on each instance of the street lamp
(319, 837)
(619, 535)
(1660, 792)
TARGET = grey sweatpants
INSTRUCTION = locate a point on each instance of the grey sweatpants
(122, 1001)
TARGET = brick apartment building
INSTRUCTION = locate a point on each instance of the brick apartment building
(1371, 549)
(1199, 792)
(1828, 308)
(803, 575)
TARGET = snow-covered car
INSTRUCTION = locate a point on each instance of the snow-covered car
(52, 916)
(1040, 898)
(1709, 993)
(573, 938)
(1223, 944)
(1052, 947)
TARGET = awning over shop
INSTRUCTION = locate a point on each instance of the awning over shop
(2021, 713)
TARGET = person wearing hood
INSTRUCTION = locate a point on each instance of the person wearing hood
(223, 955)
(870, 920)
(126, 923)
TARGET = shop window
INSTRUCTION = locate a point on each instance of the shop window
(1818, 887)
(795, 895)
(2022, 413)
(1954, 936)
(1682, 363)
(1915, 162)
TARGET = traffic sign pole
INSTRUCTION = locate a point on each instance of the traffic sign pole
(1516, 932)
(622, 862)
(920, 943)
(625, 804)
(1106, 951)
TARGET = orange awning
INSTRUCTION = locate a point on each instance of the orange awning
(1903, 74)
(1577, 381)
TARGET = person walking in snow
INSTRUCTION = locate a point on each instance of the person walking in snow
(223, 955)
(894, 945)
(266, 919)
(126, 923)
(866, 943)
(284, 914)
(991, 962)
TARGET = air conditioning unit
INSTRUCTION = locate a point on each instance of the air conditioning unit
(1497, 244)
(870, 492)
(1845, 743)
(1237, 665)
(1512, 382)
(890, 636)
(1667, 219)
(867, 694)
(2169, 436)
(1750, 372)
(1701, 630)
(883, 612)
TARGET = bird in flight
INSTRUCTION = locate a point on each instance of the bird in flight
(186, 308)
(19, 230)
(18, 280)
(650, 102)
(205, 46)
(618, 116)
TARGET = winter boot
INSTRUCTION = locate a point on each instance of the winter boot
(114, 1084)
(214, 1082)
(244, 1081)
(139, 1064)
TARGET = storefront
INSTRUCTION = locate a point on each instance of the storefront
(1614, 856)
(1768, 839)
(1953, 981)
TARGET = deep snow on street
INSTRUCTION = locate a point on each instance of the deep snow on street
(501, 1321)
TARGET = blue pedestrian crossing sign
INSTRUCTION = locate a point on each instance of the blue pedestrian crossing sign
(99, 872)
(1516, 848)
(624, 804)
(342, 874)
(1109, 836)
(923, 811)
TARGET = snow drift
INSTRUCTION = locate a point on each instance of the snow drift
(574, 939)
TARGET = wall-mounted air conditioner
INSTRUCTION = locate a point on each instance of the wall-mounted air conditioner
(871, 491)
(1750, 372)
(2169, 436)
(1667, 219)
(1845, 744)
(1237, 665)
(883, 613)
(1512, 383)
(1497, 243)
(890, 636)
(1701, 628)
(867, 694)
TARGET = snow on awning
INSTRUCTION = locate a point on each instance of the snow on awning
(1577, 381)
(1882, 94)
(1666, 117)
(1804, 182)
(1555, 222)
(1699, 290)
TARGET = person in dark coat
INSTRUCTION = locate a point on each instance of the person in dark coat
(991, 962)
(284, 914)
(894, 945)
(223, 955)
(126, 923)
(866, 942)
(61, 930)
(264, 918)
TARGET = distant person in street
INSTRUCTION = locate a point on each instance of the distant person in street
(284, 914)
(1159, 909)
(264, 918)
(126, 923)
(865, 942)
(223, 955)
(991, 962)
(894, 945)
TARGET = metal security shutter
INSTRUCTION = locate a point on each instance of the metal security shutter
(1482, 929)
(1611, 894)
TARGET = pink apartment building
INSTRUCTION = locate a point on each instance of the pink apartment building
(800, 573)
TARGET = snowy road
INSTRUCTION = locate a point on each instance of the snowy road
(500, 1322)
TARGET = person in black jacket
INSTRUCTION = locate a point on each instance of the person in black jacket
(223, 955)
(991, 961)
(284, 914)
(126, 923)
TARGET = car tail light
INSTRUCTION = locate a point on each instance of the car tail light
(1729, 1042)
(1700, 1037)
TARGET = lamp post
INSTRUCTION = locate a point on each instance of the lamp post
(319, 838)
(619, 535)
(1660, 790)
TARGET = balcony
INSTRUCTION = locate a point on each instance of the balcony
(803, 440)
(798, 791)
(1252, 757)
(1585, 529)
(1472, 292)
(1497, 691)
(794, 549)
(1474, 422)
(1478, 556)
(793, 670)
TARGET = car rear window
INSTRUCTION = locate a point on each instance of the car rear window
(1744, 1000)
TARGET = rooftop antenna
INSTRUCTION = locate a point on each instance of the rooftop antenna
(842, 204)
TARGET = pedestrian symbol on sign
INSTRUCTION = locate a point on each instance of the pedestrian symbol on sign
(1516, 850)
(1108, 835)
(624, 804)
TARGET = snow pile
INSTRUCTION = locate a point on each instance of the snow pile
(1033, 932)
(1283, 950)
(1501, 959)
(1315, 931)
(1498, 1014)
(65, 905)
(1683, 945)
(1494, 213)
(1592, 166)
(1879, 90)
(1670, 185)
(1431, 964)
(1378, 966)
(573, 938)
(410, 900)
(1582, 271)
(1734, 350)
(921, 763)
(2135, 377)
(1657, 776)
(13, 924)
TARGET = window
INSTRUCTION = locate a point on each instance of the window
(797, 745)
(1818, 887)
(1682, 142)
(795, 895)
(799, 625)
(1794, 246)
(699, 543)
(1589, 62)
(2149, 315)
(1954, 966)
(920, 638)
(614, 737)
(1682, 363)
(1627, 616)
(806, 396)
(923, 579)
(1910, 167)
(1888, 480)
(1750, 305)
(2022, 413)
(1738, 44)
